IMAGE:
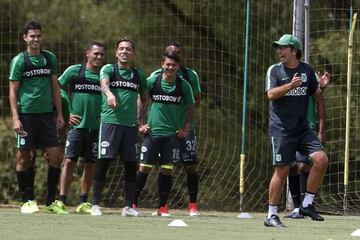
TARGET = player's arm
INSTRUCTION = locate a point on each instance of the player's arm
(320, 108)
(13, 93)
(280, 91)
(324, 81)
(143, 104)
(183, 132)
(57, 100)
(105, 88)
(190, 109)
(197, 98)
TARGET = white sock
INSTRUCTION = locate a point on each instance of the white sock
(272, 210)
(296, 210)
(308, 199)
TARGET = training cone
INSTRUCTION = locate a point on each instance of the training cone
(177, 223)
(356, 233)
(244, 215)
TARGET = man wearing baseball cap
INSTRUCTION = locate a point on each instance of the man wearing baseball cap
(288, 86)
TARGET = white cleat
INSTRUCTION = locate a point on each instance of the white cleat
(130, 212)
(95, 210)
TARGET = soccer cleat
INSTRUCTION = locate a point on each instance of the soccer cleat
(273, 221)
(56, 207)
(134, 206)
(311, 212)
(193, 211)
(25, 208)
(162, 212)
(95, 210)
(130, 212)
(294, 215)
(33, 205)
(84, 207)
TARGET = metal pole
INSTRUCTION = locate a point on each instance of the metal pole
(307, 31)
(348, 99)
(298, 19)
(243, 129)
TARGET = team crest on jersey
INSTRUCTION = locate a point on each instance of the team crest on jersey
(22, 141)
(143, 149)
(105, 144)
(278, 158)
(67, 143)
(303, 77)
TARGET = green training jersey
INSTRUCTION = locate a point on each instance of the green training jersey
(34, 76)
(165, 117)
(125, 85)
(85, 98)
(191, 77)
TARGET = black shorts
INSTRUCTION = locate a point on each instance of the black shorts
(118, 140)
(284, 148)
(167, 146)
(41, 131)
(82, 142)
(189, 149)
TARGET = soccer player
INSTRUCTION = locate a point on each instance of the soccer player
(188, 153)
(33, 82)
(171, 97)
(300, 172)
(120, 84)
(288, 87)
(83, 83)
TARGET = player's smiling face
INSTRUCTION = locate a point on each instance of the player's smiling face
(95, 56)
(170, 67)
(125, 52)
(33, 39)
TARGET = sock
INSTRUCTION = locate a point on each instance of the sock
(303, 182)
(308, 199)
(140, 184)
(83, 197)
(30, 183)
(272, 210)
(130, 182)
(102, 166)
(98, 186)
(164, 187)
(129, 193)
(294, 186)
(192, 184)
(63, 198)
(22, 183)
(52, 182)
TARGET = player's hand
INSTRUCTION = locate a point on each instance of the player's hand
(18, 127)
(324, 80)
(144, 128)
(295, 81)
(181, 133)
(322, 137)
(111, 101)
(59, 121)
(74, 119)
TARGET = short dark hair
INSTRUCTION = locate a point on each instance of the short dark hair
(95, 43)
(31, 25)
(171, 55)
(125, 39)
(298, 52)
(175, 44)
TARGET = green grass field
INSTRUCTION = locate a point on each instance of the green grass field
(210, 226)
